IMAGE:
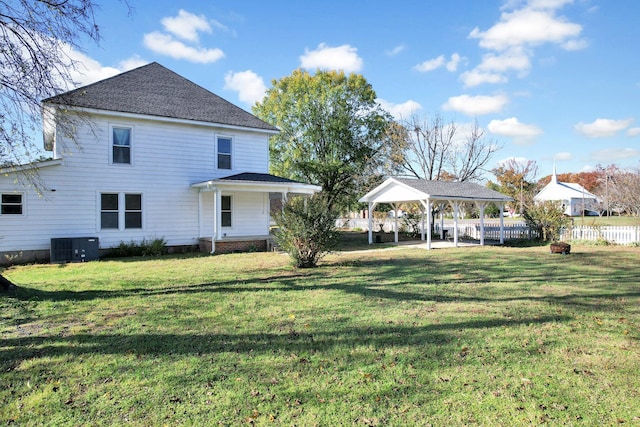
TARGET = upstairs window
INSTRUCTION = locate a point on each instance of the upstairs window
(121, 141)
(11, 204)
(225, 211)
(224, 153)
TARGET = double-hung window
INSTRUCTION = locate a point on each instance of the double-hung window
(224, 152)
(11, 204)
(225, 210)
(121, 145)
(120, 211)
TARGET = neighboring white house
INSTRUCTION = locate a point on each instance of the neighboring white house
(160, 157)
(574, 197)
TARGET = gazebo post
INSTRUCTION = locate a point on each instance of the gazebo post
(427, 206)
(422, 228)
(395, 222)
(456, 207)
(502, 223)
(481, 205)
(370, 222)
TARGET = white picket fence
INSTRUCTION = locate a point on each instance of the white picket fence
(621, 235)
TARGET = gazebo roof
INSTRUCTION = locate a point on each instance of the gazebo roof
(396, 190)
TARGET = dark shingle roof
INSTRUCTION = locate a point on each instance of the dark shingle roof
(157, 91)
(458, 190)
(259, 177)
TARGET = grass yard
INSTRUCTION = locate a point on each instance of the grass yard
(469, 336)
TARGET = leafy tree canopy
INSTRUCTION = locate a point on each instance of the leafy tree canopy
(332, 131)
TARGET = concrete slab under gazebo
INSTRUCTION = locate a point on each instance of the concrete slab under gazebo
(428, 194)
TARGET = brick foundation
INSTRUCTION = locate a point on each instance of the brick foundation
(231, 246)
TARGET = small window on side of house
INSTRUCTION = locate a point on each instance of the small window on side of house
(224, 153)
(225, 210)
(11, 204)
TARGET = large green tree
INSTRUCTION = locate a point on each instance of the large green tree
(332, 131)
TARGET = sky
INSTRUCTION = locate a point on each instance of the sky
(553, 81)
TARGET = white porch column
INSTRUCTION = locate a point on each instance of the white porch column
(502, 223)
(217, 215)
(481, 205)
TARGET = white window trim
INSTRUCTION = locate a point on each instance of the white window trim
(233, 145)
(23, 204)
(121, 211)
(131, 144)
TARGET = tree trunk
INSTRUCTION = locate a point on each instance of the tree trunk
(5, 284)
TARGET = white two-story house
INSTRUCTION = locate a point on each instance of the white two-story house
(157, 156)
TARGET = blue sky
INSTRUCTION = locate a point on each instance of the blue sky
(546, 79)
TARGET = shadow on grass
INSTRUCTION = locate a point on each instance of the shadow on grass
(260, 343)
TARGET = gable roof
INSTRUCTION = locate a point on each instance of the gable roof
(556, 190)
(154, 90)
(395, 190)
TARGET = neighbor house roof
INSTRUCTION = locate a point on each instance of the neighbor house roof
(154, 90)
(556, 190)
(395, 190)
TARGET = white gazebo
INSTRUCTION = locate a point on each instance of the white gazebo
(434, 193)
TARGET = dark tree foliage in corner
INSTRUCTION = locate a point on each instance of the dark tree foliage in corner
(36, 37)
(306, 229)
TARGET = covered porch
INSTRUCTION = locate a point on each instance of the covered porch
(430, 194)
(235, 211)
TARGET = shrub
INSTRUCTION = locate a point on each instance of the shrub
(306, 229)
(547, 218)
(154, 247)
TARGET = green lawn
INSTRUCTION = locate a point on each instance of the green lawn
(484, 336)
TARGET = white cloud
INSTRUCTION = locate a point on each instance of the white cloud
(633, 132)
(166, 45)
(601, 128)
(564, 155)
(396, 50)
(522, 26)
(493, 67)
(249, 85)
(529, 26)
(476, 105)
(476, 77)
(440, 61)
(513, 128)
(400, 111)
(186, 25)
(452, 65)
(431, 64)
(325, 57)
(614, 154)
